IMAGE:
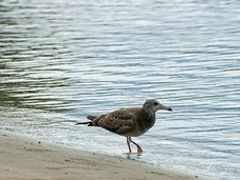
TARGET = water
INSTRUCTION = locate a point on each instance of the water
(62, 60)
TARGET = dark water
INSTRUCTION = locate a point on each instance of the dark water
(61, 60)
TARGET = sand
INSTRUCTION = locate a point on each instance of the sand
(31, 159)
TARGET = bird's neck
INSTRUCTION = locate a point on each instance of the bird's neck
(148, 119)
(148, 114)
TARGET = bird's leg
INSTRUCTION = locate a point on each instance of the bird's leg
(128, 143)
(139, 149)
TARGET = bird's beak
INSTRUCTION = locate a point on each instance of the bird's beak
(165, 107)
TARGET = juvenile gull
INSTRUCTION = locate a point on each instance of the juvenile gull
(129, 122)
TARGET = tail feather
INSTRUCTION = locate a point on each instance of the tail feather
(89, 123)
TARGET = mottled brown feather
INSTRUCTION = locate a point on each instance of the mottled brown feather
(127, 121)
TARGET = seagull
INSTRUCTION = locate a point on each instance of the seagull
(129, 122)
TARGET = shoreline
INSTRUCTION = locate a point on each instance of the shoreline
(24, 158)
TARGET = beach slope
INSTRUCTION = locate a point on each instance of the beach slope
(31, 159)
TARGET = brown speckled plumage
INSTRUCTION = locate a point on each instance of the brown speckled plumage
(126, 122)
(129, 122)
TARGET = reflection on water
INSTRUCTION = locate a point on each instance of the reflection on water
(31, 67)
(62, 60)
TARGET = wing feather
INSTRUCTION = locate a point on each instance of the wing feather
(121, 121)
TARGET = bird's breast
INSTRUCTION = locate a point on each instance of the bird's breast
(146, 123)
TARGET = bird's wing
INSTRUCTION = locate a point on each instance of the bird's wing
(120, 121)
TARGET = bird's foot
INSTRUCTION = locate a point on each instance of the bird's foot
(139, 151)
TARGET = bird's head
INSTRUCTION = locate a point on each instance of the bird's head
(154, 105)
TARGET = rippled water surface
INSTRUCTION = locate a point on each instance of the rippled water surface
(61, 60)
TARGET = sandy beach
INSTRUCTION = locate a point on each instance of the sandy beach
(31, 159)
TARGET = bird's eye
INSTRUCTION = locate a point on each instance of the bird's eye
(155, 104)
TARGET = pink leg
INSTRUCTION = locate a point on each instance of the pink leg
(139, 149)
(129, 147)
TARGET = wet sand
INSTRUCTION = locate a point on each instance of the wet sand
(31, 159)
